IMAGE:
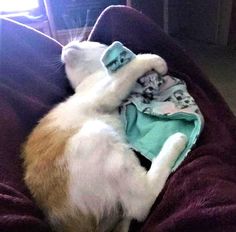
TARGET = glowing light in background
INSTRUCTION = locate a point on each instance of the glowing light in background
(16, 5)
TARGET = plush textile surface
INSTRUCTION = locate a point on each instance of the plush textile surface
(31, 82)
(199, 196)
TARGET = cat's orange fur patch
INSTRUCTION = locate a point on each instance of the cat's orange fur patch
(44, 173)
(47, 174)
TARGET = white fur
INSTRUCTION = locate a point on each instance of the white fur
(104, 171)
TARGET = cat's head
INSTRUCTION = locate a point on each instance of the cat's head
(82, 59)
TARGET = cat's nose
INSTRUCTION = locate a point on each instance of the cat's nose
(69, 53)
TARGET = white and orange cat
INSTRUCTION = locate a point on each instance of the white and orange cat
(78, 165)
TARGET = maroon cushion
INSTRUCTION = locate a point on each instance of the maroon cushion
(199, 196)
(32, 80)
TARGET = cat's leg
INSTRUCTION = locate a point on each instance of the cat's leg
(148, 187)
(125, 78)
(162, 164)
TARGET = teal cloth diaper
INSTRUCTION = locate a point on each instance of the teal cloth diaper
(157, 107)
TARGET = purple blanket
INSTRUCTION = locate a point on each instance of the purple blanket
(199, 196)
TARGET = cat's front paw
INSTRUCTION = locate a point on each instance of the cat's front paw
(157, 63)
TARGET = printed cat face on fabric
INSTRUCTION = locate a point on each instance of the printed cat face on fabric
(150, 83)
(182, 99)
(116, 56)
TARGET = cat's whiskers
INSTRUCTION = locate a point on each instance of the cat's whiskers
(54, 63)
(78, 33)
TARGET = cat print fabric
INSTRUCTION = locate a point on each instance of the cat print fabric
(154, 90)
(158, 107)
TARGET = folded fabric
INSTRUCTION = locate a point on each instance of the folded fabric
(116, 56)
(158, 107)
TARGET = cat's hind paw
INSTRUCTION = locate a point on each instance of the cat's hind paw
(177, 141)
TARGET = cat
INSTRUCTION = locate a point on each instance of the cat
(78, 165)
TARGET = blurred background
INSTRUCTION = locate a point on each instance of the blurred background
(205, 29)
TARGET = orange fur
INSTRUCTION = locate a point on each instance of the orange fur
(41, 152)
(47, 174)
